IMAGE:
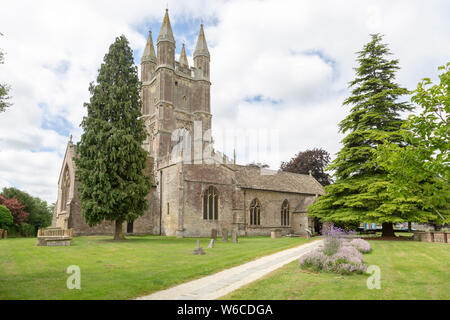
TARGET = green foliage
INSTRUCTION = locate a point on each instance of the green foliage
(6, 218)
(422, 169)
(40, 214)
(27, 230)
(111, 161)
(361, 191)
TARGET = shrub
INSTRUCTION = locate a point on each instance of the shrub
(6, 218)
(360, 244)
(346, 260)
(337, 254)
(27, 230)
(333, 239)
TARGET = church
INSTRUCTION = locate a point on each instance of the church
(193, 191)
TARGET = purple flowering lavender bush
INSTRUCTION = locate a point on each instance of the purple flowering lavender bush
(337, 254)
(360, 244)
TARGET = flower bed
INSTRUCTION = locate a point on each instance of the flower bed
(337, 255)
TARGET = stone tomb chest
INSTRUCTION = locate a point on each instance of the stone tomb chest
(54, 237)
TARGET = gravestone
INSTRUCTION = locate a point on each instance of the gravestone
(275, 234)
(5, 234)
(224, 235)
(211, 244)
(214, 234)
(234, 236)
(1, 233)
(198, 251)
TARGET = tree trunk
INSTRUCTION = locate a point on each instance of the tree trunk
(118, 233)
(388, 230)
(409, 227)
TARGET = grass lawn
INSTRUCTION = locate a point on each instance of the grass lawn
(409, 270)
(119, 270)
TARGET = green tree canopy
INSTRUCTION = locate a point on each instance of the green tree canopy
(40, 214)
(360, 193)
(6, 218)
(111, 160)
(422, 169)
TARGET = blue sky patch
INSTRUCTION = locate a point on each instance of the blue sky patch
(55, 123)
(61, 67)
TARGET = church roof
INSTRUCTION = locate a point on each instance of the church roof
(269, 180)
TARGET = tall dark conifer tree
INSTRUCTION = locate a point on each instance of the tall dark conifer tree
(360, 193)
(111, 160)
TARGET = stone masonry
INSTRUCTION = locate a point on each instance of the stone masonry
(192, 195)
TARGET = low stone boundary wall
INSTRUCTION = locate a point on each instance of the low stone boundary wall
(432, 236)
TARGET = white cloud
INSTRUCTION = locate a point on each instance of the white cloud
(298, 53)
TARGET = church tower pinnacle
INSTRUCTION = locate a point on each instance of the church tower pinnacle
(148, 61)
(166, 43)
(183, 57)
(201, 56)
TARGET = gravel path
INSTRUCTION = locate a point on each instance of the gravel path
(222, 283)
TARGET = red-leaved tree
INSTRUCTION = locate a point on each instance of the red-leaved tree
(314, 161)
(16, 208)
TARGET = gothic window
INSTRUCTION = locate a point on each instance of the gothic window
(65, 186)
(285, 213)
(211, 204)
(255, 213)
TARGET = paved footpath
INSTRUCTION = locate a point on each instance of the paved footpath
(222, 283)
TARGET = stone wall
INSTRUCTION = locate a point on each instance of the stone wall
(271, 203)
(234, 204)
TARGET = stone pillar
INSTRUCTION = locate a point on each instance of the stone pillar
(5, 234)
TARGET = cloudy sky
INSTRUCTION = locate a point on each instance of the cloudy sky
(282, 66)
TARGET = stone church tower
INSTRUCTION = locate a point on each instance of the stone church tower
(174, 95)
(195, 189)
